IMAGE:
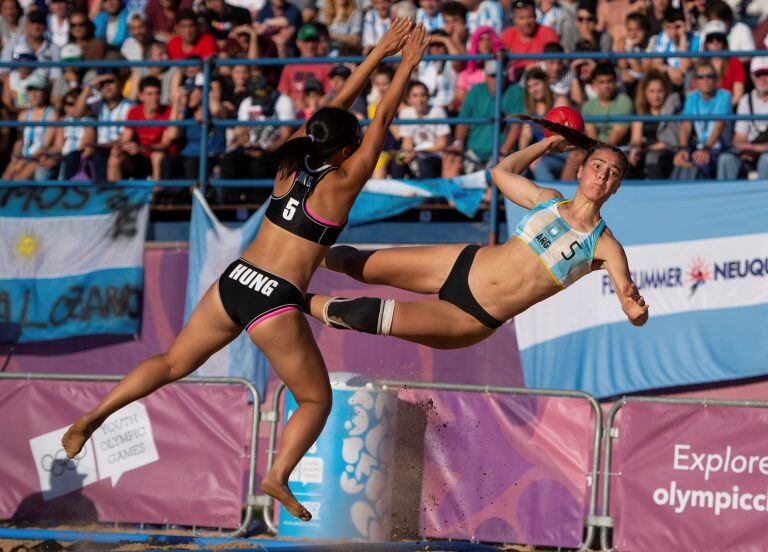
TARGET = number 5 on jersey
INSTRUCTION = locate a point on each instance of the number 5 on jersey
(290, 209)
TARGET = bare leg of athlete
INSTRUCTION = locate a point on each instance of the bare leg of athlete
(288, 343)
(417, 269)
(436, 324)
(208, 330)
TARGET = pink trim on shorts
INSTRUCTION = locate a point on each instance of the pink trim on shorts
(321, 220)
(269, 315)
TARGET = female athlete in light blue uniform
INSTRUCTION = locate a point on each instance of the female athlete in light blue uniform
(557, 242)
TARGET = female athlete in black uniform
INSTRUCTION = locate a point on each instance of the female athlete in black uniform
(321, 172)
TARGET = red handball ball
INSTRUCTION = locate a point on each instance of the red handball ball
(566, 116)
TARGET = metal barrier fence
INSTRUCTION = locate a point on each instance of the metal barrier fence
(497, 120)
(252, 500)
(605, 521)
(273, 416)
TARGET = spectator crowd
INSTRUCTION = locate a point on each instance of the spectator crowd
(135, 30)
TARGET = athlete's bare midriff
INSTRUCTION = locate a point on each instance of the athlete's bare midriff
(287, 255)
(508, 279)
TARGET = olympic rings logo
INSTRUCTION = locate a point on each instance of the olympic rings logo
(58, 462)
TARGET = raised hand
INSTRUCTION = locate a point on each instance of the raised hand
(415, 46)
(395, 36)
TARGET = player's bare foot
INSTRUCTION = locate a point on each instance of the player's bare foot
(283, 494)
(77, 435)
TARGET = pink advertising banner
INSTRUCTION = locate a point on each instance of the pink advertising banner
(688, 477)
(173, 457)
(505, 468)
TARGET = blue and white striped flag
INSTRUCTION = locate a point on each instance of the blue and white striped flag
(212, 246)
(71, 260)
(698, 252)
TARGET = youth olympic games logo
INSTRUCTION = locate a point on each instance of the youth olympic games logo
(698, 274)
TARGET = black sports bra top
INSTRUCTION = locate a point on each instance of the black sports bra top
(290, 211)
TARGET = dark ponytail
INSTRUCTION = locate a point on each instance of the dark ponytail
(329, 130)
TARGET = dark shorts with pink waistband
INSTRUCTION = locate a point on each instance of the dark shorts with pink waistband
(251, 295)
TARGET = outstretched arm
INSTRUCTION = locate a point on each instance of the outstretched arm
(358, 168)
(519, 189)
(389, 44)
(614, 260)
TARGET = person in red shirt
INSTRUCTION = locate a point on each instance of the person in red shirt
(294, 77)
(140, 150)
(526, 36)
(189, 41)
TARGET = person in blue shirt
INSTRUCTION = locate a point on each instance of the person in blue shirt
(702, 141)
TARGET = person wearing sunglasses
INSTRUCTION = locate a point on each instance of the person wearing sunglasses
(81, 32)
(702, 141)
(586, 25)
(750, 138)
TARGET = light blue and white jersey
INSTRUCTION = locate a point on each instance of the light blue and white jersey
(430, 22)
(440, 79)
(107, 134)
(662, 44)
(33, 137)
(488, 14)
(73, 135)
(552, 18)
(374, 28)
(565, 252)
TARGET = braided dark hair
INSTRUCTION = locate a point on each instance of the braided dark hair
(571, 135)
(329, 130)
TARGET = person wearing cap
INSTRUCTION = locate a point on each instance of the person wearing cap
(740, 37)
(475, 142)
(189, 41)
(252, 149)
(34, 39)
(32, 151)
(14, 83)
(526, 36)
(375, 23)
(344, 21)
(279, 20)
(71, 77)
(313, 97)
(674, 37)
(294, 76)
(336, 79)
(714, 38)
(701, 142)
(750, 138)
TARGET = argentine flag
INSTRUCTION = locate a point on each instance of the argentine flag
(383, 198)
(698, 253)
(71, 260)
(212, 246)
